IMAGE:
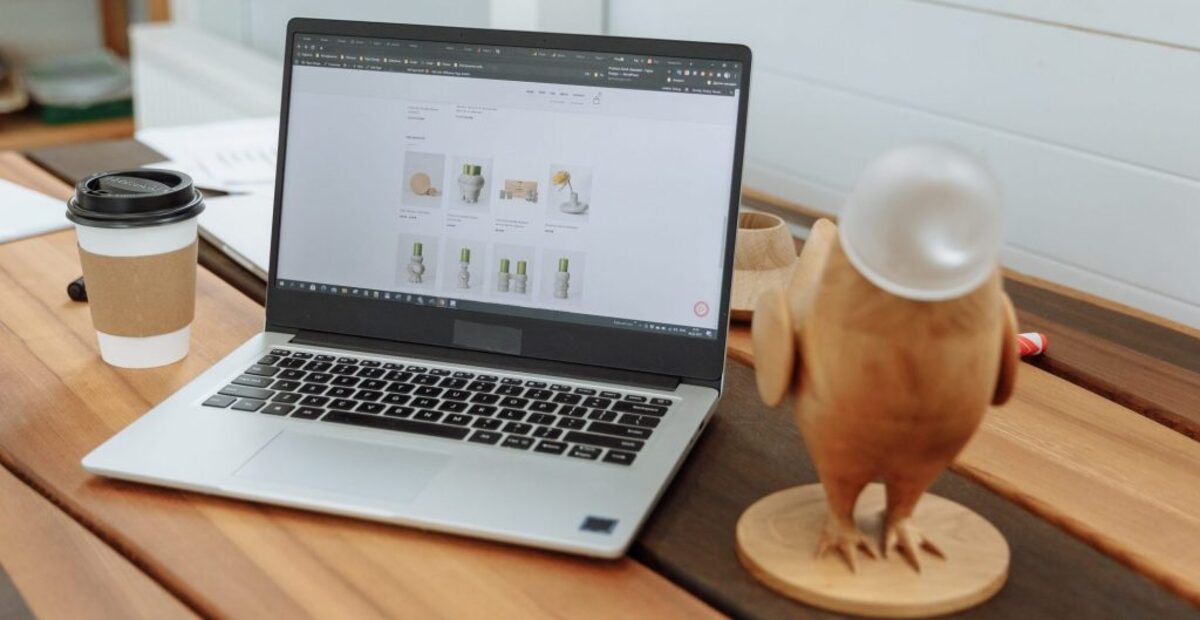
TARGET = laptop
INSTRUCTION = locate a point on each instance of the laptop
(499, 287)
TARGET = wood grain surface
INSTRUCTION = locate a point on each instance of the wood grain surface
(1118, 480)
(64, 571)
(229, 558)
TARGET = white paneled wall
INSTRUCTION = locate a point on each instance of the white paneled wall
(1088, 112)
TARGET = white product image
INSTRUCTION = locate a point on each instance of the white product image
(464, 268)
(562, 279)
(505, 276)
(562, 179)
(416, 264)
(470, 183)
(521, 279)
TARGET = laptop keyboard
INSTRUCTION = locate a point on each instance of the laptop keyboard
(535, 416)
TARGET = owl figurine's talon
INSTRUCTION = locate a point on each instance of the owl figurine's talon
(846, 540)
(905, 537)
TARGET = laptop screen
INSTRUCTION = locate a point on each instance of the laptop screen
(568, 186)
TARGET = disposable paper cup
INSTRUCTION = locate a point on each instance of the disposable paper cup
(137, 244)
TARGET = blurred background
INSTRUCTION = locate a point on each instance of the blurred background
(1089, 113)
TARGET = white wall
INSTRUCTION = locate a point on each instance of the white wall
(1088, 112)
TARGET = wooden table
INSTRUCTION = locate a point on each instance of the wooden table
(1078, 462)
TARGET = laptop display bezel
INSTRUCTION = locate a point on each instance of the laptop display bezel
(680, 356)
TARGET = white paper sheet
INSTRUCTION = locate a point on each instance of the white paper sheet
(25, 213)
(232, 156)
(241, 226)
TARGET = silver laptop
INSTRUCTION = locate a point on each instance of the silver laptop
(498, 293)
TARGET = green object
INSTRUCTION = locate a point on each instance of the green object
(472, 170)
(417, 248)
(504, 265)
(62, 115)
(464, 255)
(563, 264)
(520, 267)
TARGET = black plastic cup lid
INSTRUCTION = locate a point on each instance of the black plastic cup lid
(134, 198)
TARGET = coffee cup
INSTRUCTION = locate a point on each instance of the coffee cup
(137, 244)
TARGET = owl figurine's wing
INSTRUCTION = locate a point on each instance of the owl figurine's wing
(778, 327)
(1010, 355)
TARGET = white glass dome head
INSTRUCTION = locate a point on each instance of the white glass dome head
(924, 222)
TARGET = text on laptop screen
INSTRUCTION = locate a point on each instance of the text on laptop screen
(561, 185)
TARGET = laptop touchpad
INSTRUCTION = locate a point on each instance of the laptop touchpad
(344, 467)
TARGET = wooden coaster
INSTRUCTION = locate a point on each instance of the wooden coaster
(777, 542)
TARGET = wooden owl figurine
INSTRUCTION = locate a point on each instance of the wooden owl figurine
(893, 337)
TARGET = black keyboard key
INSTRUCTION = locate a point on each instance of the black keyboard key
(628, 407)
(518, 443)
(277, 409)
(424, 402)
(584, 452)
(535, 384)
(218, 400)
(484, 437)
(509, 390)
(291, 363)
(539, 394)
(301, 355)
(312, 388)
(608, 394)
(317, 366)
(619, 457)
(399, 412)
(550, 447)
(486, 399)
(308, 413)
(597, 403)
(424, 379)
(292, 375)
(546, 432)
(572, 423)
(347, 360)
(483, 410)
(440, 372)
(344, 369)
(344, 404)
(317, 377)
(567, 399)
(400, 388)
(314, 401)
(268, 360)
(518, 428)
(286, 398)
(370, 395)
(457, 419)
(427, 415)
(416, 369)
(511, 414)
(286, 386)
(558, 387)
(585, 391)
(541, 418)
(633, 398)
(398, 375)
(572, 412)
(492, 378)
(396, 399)
(345, 381)
(633, 419)
(370, 407)
(395, 424)
(602, 415)
(340, 392)
(620, 430)
(543, 407)
(666, 402)
(369, 364)
(279, 352)
(481, 386)
(451, 382)
(487, 424)
(373, 384)
(428, 390)
(453, 406)
(462, 374)
(262, 371)
(392, 366)
(456, 395)
(370, 373)
(324, 358)
(248, 404)
(242, 391)
(253, 381)
(511, 381)
(604, 441)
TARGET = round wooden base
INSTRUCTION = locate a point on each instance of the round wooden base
(777, 540)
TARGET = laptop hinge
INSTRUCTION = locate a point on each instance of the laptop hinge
(484, 358)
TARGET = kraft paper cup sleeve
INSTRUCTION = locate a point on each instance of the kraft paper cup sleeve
(140, 296)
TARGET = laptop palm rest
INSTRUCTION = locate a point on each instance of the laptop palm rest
(358, 469)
